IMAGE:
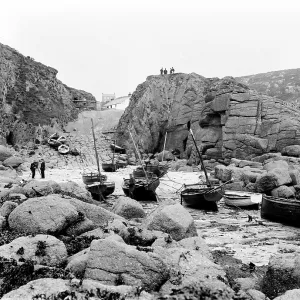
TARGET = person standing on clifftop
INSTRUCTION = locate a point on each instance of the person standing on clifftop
(43, 167)
(172, 70)
(161, 71)
(165, 71)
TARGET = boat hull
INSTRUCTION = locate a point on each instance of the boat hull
(109, 167)
(90, 178)
(97, 189)
(140, 191)
(242, 199)
(199, 198)
(281, 210)
(117, 149)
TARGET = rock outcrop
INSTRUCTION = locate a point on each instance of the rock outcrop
(33, 102)
(228, 118)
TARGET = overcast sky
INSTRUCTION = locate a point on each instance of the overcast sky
(112, 46)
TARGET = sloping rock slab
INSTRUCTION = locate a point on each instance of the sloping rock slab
(34, 188)
(74, 190)
(128, 208)
(111, 262)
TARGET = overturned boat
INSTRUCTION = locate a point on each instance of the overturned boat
(281, 210)
(242, 199)
(63, 149)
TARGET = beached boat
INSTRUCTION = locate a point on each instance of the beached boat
(109, 167)
(242, 199)
(117, 148)
(201, 196)
(98, 189)
(281, 210)
(141, 189)
(54, 136)
(53, 143)
(62, 140)
(63, 149)
(92, 177)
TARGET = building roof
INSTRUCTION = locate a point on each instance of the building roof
(118, 100)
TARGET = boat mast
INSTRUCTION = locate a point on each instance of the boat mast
(96, 153)
(164, 146)
(136, 150)
(200, 156)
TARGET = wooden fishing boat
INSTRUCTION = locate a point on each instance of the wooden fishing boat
(63, 149)
(141, 189)
(117, 148)
(121, 164)
(281, 210)
(92, 177)
(104, 188)
(54, 136)
(109, 167)
(242, 199)
(202, 196)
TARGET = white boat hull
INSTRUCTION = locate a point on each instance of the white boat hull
(239, 198)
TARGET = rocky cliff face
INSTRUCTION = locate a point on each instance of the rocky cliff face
(31, 95)
(284, 84)
(228, 118)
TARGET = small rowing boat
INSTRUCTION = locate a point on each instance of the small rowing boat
(63, 149)
(109, 167)
(117, 148)
(242, 199)
(281, 210)
(201, 196)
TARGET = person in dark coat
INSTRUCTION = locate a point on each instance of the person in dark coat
(170, 70)
(33, 167)
(43, 167)
(173, 70)
(165, 71)
(161, 71)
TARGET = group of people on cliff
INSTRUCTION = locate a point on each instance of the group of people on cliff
(35, 166)
(164, 71)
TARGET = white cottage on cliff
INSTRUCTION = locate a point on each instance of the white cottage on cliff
(118, 103)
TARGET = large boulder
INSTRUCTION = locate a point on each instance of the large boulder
(128, 208)
(4, 153)
(174, 220)
(41, 249)
(7, 208)
(38, 215)
(282, 274)
(77, 262)
(114, 263)
(74, 190)
(46, 286)
(276, 164)
(290, 295)
(282, 176)
(292, 150)
(13, 161)
(283, 192)
(35, 188)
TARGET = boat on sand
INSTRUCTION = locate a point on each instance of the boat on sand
(242, 199)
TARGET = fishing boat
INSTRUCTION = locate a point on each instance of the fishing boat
(92, 177)
(281, 210)
(117, 148)
(109, 167)
(105, 189)
(141, 189)
(96, 183)
(62, 139)
(54, 136)
(201, 196)
(242, 199)
(63, 149)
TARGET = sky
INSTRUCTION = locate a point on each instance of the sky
(112, 46)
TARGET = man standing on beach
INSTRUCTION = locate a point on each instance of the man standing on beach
(43, 167)
(33, 167)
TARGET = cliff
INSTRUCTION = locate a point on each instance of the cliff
(31, 95)
(228, 118)
(284, 84)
